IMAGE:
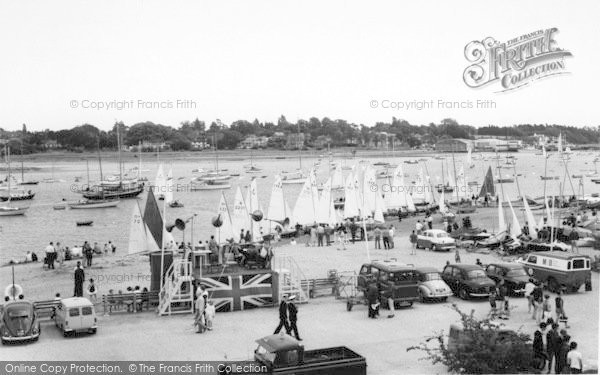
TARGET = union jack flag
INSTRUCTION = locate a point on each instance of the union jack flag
(239, 292)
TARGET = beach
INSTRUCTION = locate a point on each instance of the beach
(323, 321)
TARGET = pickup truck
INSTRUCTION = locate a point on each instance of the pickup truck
(282, 354)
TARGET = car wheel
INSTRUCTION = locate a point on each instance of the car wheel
(94, 330)
(444, 299)
(553, 285)
(427, 248)
(3, 342)
(462, 293)
(410, 304)
(421, 296)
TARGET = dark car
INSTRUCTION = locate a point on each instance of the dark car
(514, 275)
(19, 322)
(467, 280)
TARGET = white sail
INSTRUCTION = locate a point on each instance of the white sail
(160, 182)
(333, 215)
(337, 178)
(168, 192)
(225, 231)
(277, 204)
(533, 228)
(324, 206)
(350, 203)
(138, 241)
(410, 205)
(515, 226)
(379, 208)
(241, 218)
(469, 160)
(304, 211)
(443, 209)
(560, 146)
(501, 222)
(369, 191)
(290, 214)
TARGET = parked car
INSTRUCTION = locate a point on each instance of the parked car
(393, 279)
(468, 280)
(435, 239)
(559, 270)
(514, 275)
(18, 322)
(76, 314)
(431, 285)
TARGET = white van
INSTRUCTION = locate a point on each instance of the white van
(75, 314)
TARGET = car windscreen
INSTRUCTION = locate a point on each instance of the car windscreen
(403, 276)
(266, 354)
(441, 235)
(516, 272)
(476, 274)
(19, 312)
(432, 276)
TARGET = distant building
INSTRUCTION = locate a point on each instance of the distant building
(252, 141)
(52, 144)
(322, 141)
(453, 145)
(499, 145)
(295, 141)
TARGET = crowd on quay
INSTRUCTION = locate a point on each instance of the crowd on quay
(56, 253)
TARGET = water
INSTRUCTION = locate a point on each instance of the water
(43, 224)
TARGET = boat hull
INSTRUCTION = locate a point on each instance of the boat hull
(293, 181)
(210, 187)
(18, 197)
(97, 195)
(79, 206)
(13, 212)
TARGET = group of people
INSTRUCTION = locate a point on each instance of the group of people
(57, 253)
(288, 316)
(553, 346)
(387, 234)
(205, 311)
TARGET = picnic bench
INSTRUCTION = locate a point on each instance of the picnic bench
(322, 286)
(46, 309)
(129, 302)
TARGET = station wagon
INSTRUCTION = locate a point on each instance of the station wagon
(559, 270)
(395, 280)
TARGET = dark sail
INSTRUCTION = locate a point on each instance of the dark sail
(153, 219)
(488, 184)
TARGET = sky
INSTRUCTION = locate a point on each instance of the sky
(168, 62)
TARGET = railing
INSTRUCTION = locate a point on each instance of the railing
(179, 272)
(292, 280)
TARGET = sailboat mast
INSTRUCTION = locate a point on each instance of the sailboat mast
(87, 168)
(454, 168)
(7, 147)
(120, 163)
(216, 153)
(22, 173)
(100, 162)
(299, 146)
(140, 159)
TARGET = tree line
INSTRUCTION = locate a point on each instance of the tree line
(316, 133)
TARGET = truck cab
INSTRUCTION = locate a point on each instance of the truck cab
(282, 354)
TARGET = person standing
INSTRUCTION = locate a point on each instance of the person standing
(79, 278)
(529, 288)
(328, 233)
(60, 252)
(373, 300)
(560, 309)
(574, 359)
(87, 251)
(493, 308)
(539, 354)
(209, 314)
(293, 315)
(552, 346)
(574, 237)
(457, 256)
(341, 237)
(391, 236)
(429, 221)
(546, 308)
(50, 253)
(320, 235)
(538, 300)
(283, 316)
(418, 227)
(377, 233)
(313, 235)
(561, 358)
(112, 246)
(199, 318)
(413, 241)
(92, 292)
(386, 238)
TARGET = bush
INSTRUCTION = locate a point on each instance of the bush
(482, 348)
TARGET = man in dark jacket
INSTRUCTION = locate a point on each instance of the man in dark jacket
(373, 300)
(293, 314)
(283, 316)
(79, 278)
(553, 343)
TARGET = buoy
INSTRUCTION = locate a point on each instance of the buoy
(13, 291)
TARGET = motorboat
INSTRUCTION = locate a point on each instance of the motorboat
(87, 204)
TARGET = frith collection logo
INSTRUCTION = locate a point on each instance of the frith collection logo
(515, 63)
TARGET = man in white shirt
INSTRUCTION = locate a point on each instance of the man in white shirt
(529, 287)
(419, 227)
(574, 359)
(50, 255)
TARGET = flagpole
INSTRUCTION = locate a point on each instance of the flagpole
(162, 251)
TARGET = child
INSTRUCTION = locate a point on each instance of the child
(457, 256)
(92, 290)
(546, 308)
(493, 310)
(209, 315)
(559, 309)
